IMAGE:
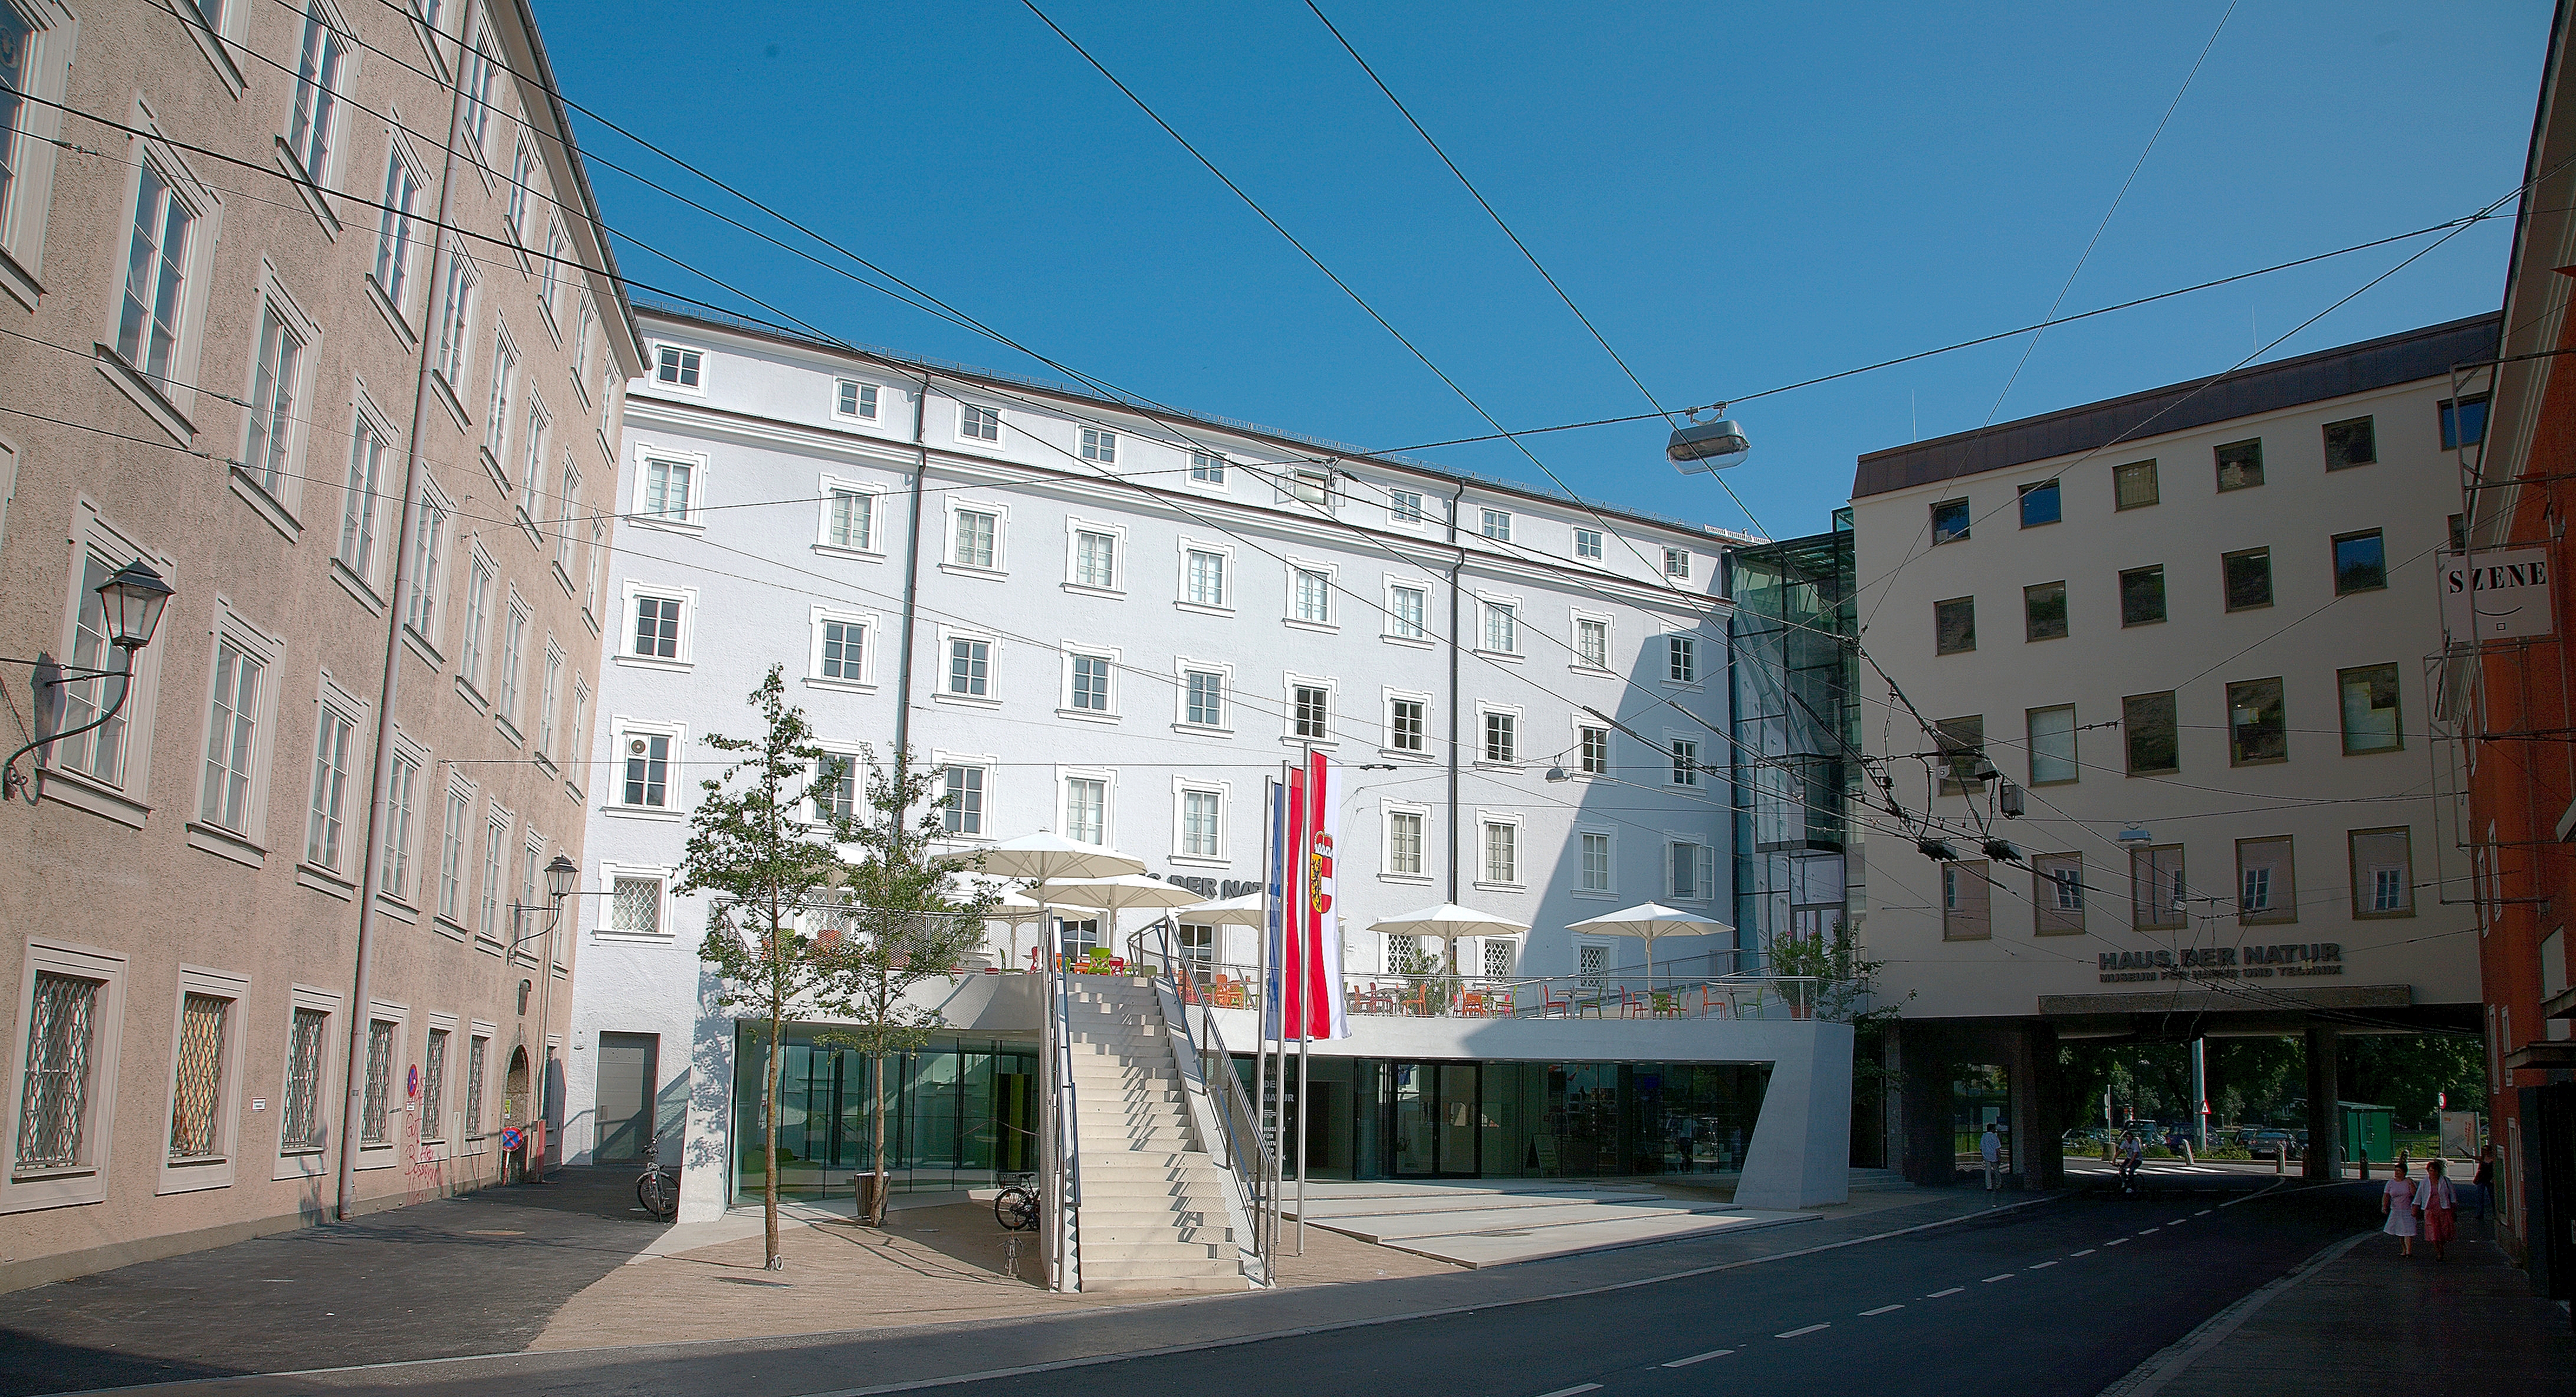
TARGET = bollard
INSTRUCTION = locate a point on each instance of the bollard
(2365, 1165)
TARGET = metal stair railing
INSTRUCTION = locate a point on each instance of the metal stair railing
(1240, 1145)
(1064, 1159)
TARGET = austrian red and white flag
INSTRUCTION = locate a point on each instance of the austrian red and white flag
(1315, 1004)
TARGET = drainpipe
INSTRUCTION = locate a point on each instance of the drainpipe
(1456, 566)
(414, 468)
(911, 582)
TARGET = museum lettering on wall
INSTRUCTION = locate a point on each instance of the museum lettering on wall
(2287, 960)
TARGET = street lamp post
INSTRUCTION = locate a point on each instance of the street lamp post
(562, 879)
(131, 601)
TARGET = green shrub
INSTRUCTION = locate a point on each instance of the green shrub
(2229, 1152)
(2159, 1152)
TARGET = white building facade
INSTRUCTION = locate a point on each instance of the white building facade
(2192, 626)
(1116, 625)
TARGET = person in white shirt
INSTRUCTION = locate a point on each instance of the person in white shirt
(1991, 1149)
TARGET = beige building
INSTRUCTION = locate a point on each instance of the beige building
(304, 305)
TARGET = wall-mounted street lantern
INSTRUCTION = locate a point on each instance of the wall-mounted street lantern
(563, 879)
(131, 603)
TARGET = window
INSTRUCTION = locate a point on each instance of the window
(2043, 611)
(2257, 731)
(2351, 442)
(496, 833)
(1314, 597)
(1681, 659)
(1686, 766)
(657, 627)
(2360, 563)
(514, 648)
(1690, 871)
(1312, 484)
(1095, 559)
(2057, 894)
(1592, 747)
(2159, 898)
(2133, 486)
(1591, 963)
(1204, 578)
(1404, 724)
(2464, 423)
(1209, 470)
(2240, 465)
(156, 268)
(1405, 608)
(1497, 525)
(2148, 724)
(332, 756)
(360, 503)
(1592, 869)
(1949, 521)
(2052, 745)
(648, 770)
(961, 800)
(1203, 702)
(375, 1117)
(1199, 824)
(550, 270)
(1502, 852)
(457, 832)
(428, 540)
(1587, 544)
(2039, 504)
(675, 366)
(576, 753)
(1502, 628)
(970, 667)
(232, 739)
(2249, 578)
(844, 650)
(100, 752)
(1100, 446)
(569, 502)
(836, 788)
(1088, 683)
(398, 823)
(972, 538)
(2266, 890)
(852, 399)
(1086, 809)
(1310, 709)
(979, 423)
(317, 79)
(1965, 901)
(1498, 957)
(635, 906)
(480, 73)
(477, 1049)
(1404, 506)
(301, 1124)
(2142, 596)
(1961, 743)
(549, 696)
(433, 1086)
(581, 343)
(514, 209)
(271, 417)
(1954, 626)
(393, 227)
(1404, 843)
(197, 1077)
(1502, 737)
(666, 487)
(2383, 872)
(1677, 562)
(455, 317)
(1591, 643)
(478, 615)
(55, 1110)
(2370, 719)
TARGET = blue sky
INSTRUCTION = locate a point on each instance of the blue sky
(1739, 197)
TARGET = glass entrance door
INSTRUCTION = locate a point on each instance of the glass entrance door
(1436, 1115)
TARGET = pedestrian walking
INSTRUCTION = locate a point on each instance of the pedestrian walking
(1991, 1149)
(2437, 1207)
(2397, 1200)
(2485, 1180)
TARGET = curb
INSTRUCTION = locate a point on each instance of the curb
(2169, 1362)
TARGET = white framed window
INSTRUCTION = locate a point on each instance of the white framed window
(1596, 862)
(1207, 468)
(1501, 632)
(62, 1095)
(455, 850)
(481, 72)
(280, 384)
(496, 408)
(550, 269)
(1591, 750)
(114, 757)
(532, 463)
(1407, 606)
(567, 517)
(1690, 871)
(478, 1059)
(304, 1106)
(241, 716)
(205, 1080)
(434, 1063)
(577, 736)
(1404, 844)
(496, 848)
(514, 203)
(1310, 710)
(1499, 735)
(1591, 642)
(1091, 555)
(661, 626)
(1408, 722)
(362, 494)
(1309, 484)
(1310, 595)
(638, 901)
(670, 488)
(35, 62)
(1681, 659)
(481, 577)
(968, 672)
(338, 794)
(840, 653)
(1203, 578)
(855, 400)
(1198, 821)
(962, 786)
(679, 368)
(1090, 683)
(586, 318)
(395, 246)
(378, 1115)
(1100, 445)
(513, 659)
(835, 788)
(1685, 754)
(165, 267)
(1677, 562)
(1404, 507)
(549, 700)
(1085, 804)
(1201, 692)
(1498, 848)
(313, 118)
(849, 516)
(428, 548)
(1587, 544)
(978, 423)
(401, 818)
(646, 779)
(978, 537)
(456, 318)
(1495, 524)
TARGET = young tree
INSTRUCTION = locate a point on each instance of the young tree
(904, 926)
(755, 843)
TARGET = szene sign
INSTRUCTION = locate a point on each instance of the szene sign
(2502, 594)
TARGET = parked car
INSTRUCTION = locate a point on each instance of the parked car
(2269, 1143)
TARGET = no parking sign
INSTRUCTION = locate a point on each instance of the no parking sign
(510, 1137)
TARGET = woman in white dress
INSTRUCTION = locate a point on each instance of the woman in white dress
(2398, 1201)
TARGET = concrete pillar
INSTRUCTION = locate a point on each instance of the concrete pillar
(2325, 1123)
(2039, 1146)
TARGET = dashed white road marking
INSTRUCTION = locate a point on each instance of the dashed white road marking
(2202, 1213)
(2088, 1251)
(1883, 1309)
(1699, 1358)
(1935, 1295)
(2146, 1231)
(1570, 1391)
(2177, 1222)
(2116, 1241)
(1990, 1280)
(2039, 1265)
(1810, 1329)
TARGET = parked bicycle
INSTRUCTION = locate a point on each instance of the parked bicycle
(658, 1188)
(1016, 1206)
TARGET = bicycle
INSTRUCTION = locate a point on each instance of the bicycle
(658, 1188)
(1016, 1206)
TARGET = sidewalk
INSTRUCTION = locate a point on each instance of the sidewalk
(2360, 1320)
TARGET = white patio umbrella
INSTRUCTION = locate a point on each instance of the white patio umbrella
(1247, 910)
(1646, 921)
(1045, 855)
(1015, 911)
(1113, 895)
(1448, 921)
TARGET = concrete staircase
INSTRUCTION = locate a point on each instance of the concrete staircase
(1153, 1214)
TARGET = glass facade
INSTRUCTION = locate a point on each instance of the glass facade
(963, 1112)
(1797, 705)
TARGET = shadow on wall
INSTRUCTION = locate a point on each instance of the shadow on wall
(706, 1091)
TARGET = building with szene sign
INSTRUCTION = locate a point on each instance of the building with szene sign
(2152, 693)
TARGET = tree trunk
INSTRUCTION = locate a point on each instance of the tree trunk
(769, 1128)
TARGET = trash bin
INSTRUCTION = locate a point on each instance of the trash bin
(864, 1187)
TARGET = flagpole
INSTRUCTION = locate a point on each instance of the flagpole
(1267, 1201)
(1306, 951)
